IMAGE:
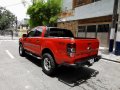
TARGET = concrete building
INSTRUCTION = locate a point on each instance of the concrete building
(117, 43)
(88, 18)
(23, 27)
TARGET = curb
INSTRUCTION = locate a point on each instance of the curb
(8, 39)
(111, 60)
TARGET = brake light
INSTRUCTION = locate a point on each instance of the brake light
(71, 49)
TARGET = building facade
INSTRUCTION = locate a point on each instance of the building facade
(23, 27)
(88, 18)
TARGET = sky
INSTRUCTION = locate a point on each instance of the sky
(16, 7)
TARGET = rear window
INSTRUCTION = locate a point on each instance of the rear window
(57, 32)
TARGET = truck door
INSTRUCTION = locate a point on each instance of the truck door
(37, 41)
(28, 41)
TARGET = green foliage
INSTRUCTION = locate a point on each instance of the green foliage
(44, 13)
(6, 18)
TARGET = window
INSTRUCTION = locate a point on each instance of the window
(81, 31)
(38, 32)
(18, 27)
(81, 28)
(79, 2)
(31, 34)
(96, 0)
(91, 28)
(103, 28)
(57, 32)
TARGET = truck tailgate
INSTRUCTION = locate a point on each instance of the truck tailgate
(86, 47)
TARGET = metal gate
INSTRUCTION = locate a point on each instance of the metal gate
(100, 31)
(8, 35)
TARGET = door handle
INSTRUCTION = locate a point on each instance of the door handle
(37, 40)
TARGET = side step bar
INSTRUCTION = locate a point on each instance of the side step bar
(32, 55)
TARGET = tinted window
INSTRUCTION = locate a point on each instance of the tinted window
(38, 32)
(56, 32)
(31, 34)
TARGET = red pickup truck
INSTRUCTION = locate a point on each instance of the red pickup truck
(56, 46)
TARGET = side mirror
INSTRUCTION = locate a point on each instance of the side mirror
(24, 35)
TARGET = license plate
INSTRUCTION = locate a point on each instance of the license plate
(91, 61)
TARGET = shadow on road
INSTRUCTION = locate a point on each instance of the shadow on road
(33, 60)
(75, 76)
(69, 75)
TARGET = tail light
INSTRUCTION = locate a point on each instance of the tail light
(71, 49)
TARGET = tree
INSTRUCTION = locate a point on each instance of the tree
(6, 18)
(44, 13)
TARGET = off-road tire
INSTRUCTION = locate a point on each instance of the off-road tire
(48, 64)
(21, 50)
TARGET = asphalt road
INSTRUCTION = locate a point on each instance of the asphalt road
(25, 73)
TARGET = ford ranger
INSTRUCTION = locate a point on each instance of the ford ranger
(56, 46)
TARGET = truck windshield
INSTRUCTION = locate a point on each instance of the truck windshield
(57, 32)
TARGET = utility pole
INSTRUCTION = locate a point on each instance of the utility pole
(16, 25)
(117, 45)
(16, 22)
(113, 26)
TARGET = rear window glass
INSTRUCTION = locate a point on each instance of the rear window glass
(57, 32)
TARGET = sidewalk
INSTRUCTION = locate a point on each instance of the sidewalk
(108, 56)
(8, 37)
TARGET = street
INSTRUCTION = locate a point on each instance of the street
(25, 73)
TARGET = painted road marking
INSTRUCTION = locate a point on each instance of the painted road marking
(28, 71)
(27, 87)
(0, 41)
(11, 56)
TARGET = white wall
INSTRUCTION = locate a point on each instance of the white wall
(96, 9)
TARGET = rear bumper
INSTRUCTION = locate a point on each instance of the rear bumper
(85, 61)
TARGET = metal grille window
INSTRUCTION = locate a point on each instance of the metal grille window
(81, 31)
(91, 28)
(81, 28)
(103, 28)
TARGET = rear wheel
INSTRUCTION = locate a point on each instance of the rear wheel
(48, 64)
(21, 50)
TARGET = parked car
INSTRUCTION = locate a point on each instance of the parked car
(56, 46)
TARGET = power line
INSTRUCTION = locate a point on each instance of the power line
(24, 2)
